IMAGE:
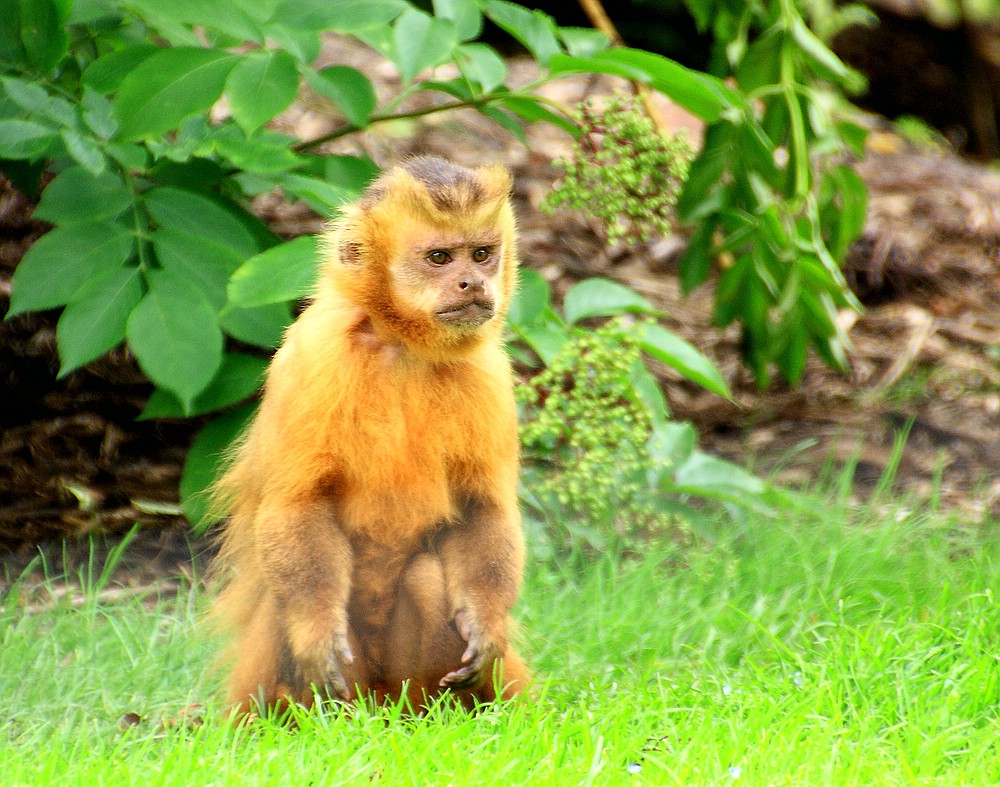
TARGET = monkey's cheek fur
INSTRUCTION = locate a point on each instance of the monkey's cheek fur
(468, 315)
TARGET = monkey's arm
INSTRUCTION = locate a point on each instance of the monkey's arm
(482, 557)
(307, 565)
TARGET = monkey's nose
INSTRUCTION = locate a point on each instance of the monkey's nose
(477, 285)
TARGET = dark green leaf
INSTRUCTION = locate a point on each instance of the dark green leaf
(94, 321)
(696, 261)
(286, 272)
(263, 84)
(175, 336)
(350, 173)
(204, 262)
(238, 378)
(199, 215)
(506, 121)
(421, 41)
(265, 152)
(205, 461)
(534, 29)
(348, 88)
(682, 356)
(78, 195)
(24, 139)
(225, 16)
(43, 34)
(533, 110)
(260, 326)
(61, 261)
(597, 297)
(322, 196)
(107, 72)
(169, 86)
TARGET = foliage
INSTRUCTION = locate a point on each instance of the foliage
(765, 198)
(856, 648)
(623, 171)
(604, 463)
(154, 127)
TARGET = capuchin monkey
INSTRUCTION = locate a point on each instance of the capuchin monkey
(373, 545)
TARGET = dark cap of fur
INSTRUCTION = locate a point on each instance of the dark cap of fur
(451, 187)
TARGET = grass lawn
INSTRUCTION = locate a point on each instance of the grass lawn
(861, 648)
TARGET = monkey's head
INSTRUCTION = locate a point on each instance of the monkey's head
(428, 252)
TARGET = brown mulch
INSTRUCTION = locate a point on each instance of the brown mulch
(73, 459)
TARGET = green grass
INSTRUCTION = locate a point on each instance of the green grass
(855, 649)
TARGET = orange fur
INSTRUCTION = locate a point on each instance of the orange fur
(373, 536)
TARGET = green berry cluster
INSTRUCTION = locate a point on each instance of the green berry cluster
(586, 429)
(623, 171)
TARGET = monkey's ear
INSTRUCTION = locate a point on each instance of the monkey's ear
(350, 252)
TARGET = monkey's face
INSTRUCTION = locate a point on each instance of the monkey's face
(455, 277)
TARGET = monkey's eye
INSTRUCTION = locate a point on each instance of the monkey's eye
(439, 257)
(481, 254)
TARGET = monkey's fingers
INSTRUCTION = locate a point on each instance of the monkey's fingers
(340, 656)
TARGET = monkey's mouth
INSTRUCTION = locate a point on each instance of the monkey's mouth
(470, 313)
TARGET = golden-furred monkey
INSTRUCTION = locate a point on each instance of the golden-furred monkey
(372, 538)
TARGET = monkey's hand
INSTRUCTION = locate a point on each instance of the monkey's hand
(481, 653)
(325, 665)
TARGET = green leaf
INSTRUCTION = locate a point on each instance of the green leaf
(260, 326)
(29, 96)
(168, 87)
(225, 16)
(265, 152)
(547, 339)
(533, 110)
(197, 214)
(106, 73)
(284, 273)
(24, 139)
(701, 94)
(675, 352)
(175, 336)
(262, 85)
(94, 321)
(43, 34)
(482, 65)
(350, 173)
(506, 121)
(76, 195)
(322, 196)
(534, 29)
(703, 473)
(346, 87)
(826, 64)
(61, 261)
(204, 262)
(239, 377)
(583, 41)
(421, 41)
(84, 150)
(98, 114)
(672, 442)
(465, 14)
(342, 16)
(205, 460)
(599, 297)
(649, 393)
(531, 299)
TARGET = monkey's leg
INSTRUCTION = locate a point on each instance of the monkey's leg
(307, 564)
(482, 555)
(422, 644)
